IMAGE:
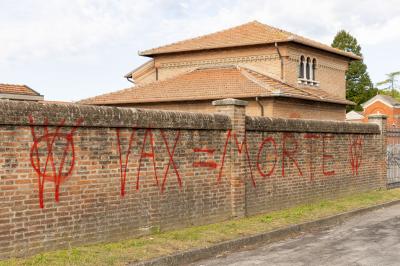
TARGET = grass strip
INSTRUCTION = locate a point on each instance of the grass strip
(166, 243)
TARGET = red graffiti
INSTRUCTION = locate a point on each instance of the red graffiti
(223, 156)
(325, 156)
(355, 152)
(124, 165)
(213, 165)
(143, 154)
(271, 171)
(124, 162)
(240, 149)
(57, 174)
(289, 153)
(311, 151)
(209, 164)
(171, 160)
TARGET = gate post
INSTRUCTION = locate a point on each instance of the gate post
(381, 121)
(236, 169)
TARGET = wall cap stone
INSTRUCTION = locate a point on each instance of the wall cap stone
(229, 101)
(269, 124)
(51, 114)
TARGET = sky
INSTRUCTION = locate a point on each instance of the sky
(73, 49)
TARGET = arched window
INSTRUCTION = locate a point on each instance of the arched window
(314, 68)
(308, 68)
(301, 67)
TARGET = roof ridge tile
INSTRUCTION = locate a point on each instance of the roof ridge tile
(195, 38)
(250, 33)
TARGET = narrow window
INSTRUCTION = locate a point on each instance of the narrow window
(301, 67)
(308, 66)
(314, 68)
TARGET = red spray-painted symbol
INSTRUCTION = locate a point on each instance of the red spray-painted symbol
(124, 166)
(240, 148)
(144, 154)
(355, 151)
(288, 138)
(148, 136)
(270, 140)
(171, 154)
(59, 171)
(209, 164)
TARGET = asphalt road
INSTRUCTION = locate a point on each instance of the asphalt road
(369, 239)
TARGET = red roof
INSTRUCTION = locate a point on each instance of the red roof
(252, 33)
(210, 84)
(17, 89)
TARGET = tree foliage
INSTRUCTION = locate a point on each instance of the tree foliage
(391, 85)
(359, 87)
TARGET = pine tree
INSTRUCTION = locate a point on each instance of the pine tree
(359, 87)
(391, 85)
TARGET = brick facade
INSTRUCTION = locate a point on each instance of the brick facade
(275, 107)
(330, 71)
(330, 74)
(73, 174)
(189, 74)
(392, 113)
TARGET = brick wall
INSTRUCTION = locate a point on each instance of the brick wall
(297, 108)
(273, 107)
(330, 72)
(73, 174)
(263, 58)
(302, 161)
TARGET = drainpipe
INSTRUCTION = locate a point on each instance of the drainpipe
(130, 80)
(156, 73)
(261, 106)
(280, 57)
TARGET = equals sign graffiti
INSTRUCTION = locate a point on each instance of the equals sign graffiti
(210, 164)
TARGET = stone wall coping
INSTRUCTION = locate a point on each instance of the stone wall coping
(229, 101)
(316, 126)
(377, 116)
(51, 114)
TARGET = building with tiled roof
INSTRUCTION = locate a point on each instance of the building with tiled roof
(354, 116)
(383, 105)
(19, 93)
(280, 73)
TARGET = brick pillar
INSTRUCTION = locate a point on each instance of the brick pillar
(236, 170)
(381, 121)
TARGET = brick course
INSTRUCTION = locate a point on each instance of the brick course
(95, 204)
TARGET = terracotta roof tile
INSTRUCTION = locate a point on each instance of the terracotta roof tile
(252, 33)
(211, 84)
(383, 98)
(17, 89)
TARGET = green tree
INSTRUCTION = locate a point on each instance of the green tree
(390, 84)
(359, 87)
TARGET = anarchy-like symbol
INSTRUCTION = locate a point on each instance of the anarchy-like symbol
(58, 147)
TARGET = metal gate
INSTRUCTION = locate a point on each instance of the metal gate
(393, 157)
